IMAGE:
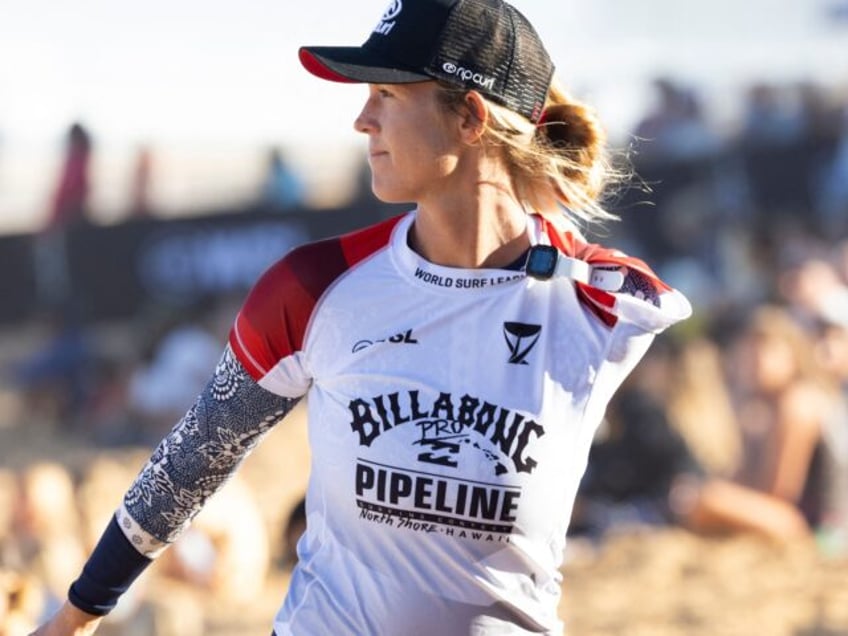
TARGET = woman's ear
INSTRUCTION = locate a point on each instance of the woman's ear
(474, 119)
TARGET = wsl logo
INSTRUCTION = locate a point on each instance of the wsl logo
(387, 22)
(404, 337)
(520, 338)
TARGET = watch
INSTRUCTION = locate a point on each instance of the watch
(541, 261)
(545, 262)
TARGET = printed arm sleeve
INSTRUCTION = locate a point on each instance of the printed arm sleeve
(191, 463)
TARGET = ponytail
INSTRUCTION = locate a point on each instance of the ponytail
(572, 147)
(563, 159)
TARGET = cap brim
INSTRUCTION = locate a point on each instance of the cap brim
(354, 64)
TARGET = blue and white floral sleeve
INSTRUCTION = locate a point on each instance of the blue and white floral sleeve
(198, 456)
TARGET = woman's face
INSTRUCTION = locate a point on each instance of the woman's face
(413, 141)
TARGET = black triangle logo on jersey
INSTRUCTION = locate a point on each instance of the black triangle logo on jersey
(520, 338)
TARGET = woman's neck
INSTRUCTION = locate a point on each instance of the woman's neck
(483, 225)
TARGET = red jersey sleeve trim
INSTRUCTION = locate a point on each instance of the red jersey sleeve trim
(273, 320)
(599, 302)
(359, 245)
(242, 351)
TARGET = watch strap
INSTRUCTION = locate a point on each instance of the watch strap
(595, 276)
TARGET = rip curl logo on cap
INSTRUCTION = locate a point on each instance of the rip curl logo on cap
(386, 24)
(467, 75)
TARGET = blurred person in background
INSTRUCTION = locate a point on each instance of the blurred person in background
(673, 148)
(666, 454)
(69, 206)
(676, 129)
(781, 155)
(825, 155)
(282, 188)
(817, 289)
(454, 370)
(822, 112)
(70, 202)
(772, 117)
(784, 401)
(141, 183)
(174, 369)
(55, 377)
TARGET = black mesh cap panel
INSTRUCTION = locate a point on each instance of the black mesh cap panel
(490, 47)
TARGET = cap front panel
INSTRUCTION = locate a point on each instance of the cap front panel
(408, 31)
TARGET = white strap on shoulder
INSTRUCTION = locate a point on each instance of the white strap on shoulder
(602, 278)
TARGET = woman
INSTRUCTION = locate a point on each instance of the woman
(453, 391)
(786, 403)
(667, 453)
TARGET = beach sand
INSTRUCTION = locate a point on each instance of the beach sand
(639, 582)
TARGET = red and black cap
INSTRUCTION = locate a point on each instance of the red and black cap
(484, 45)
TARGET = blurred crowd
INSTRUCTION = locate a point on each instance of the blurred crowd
(739, 417)
(736, 421)
(52, 514)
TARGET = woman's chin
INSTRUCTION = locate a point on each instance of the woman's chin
(390, 195)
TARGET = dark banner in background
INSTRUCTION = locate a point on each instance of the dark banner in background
(113, 272)
(18, 299)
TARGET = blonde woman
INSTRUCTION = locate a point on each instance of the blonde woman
(456, 359)
(784, 400)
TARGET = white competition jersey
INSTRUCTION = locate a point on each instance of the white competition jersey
(451, 413)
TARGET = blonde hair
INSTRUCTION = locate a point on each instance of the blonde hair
(563, 158)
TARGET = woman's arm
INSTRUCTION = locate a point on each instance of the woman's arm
(194, 460)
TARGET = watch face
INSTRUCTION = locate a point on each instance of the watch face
(541, 261)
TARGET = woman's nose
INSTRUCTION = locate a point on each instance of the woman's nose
(365, 121)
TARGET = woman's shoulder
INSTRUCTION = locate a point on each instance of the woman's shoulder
(312, 267)
(342, 251)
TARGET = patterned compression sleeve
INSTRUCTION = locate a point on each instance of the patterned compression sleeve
(191, 463)
(198, 456)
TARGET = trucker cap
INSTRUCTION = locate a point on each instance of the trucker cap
(484, 45)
